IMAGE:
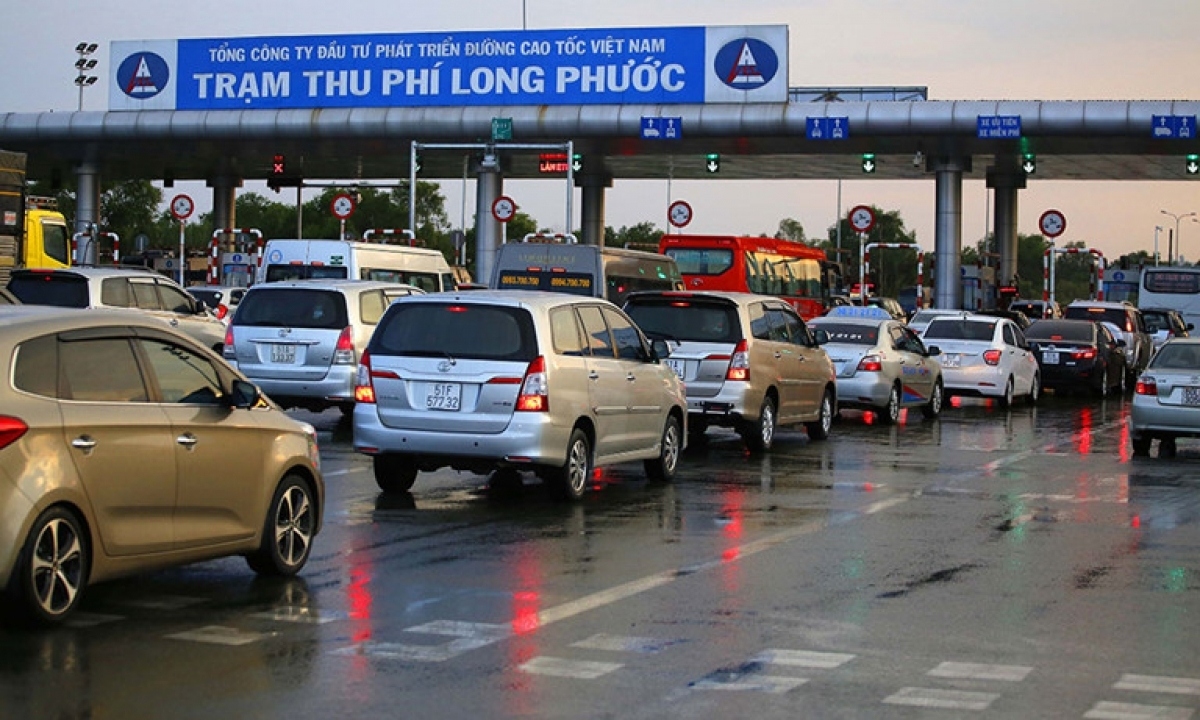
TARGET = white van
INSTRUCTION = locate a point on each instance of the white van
(304, 259)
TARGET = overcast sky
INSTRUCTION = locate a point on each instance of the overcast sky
(959, 49)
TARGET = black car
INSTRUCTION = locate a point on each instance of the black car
(1077, 354)
(1021, 319)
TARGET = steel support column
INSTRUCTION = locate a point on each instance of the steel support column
(488, 233)
(87, 209)
(224, 199)
(1007, 184)
(948, 172)
(591, 209)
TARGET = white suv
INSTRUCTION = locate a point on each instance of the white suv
(553, 383)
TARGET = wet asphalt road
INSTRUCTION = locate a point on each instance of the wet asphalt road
(1014, 564)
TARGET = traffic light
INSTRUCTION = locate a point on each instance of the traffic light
(576, 163)
(1029, 163)
(868, 163)
(712, 162)
(279, 176)
(1193, 164)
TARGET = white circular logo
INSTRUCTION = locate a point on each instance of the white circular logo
(679, 213)
(503, 208)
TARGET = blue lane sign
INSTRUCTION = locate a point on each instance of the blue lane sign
(1173, 127)
(828, 128)
(998, 127)
(662, 128)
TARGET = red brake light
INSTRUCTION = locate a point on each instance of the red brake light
(11, 430)
(227, 351)
(364, 388)
(992, 357)
(222, 311)
(343, 354)
(870, 363)
(534, 395)
(1085, 354)
(739, 363)
(1147, 386)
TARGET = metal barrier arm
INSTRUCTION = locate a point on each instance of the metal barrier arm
(865, 267)
(214, 251)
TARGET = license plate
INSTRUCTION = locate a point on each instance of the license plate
(283, 354)
(951, 361)
(443, 396)
(1191, 396)
(677, 366)
(1049, 358)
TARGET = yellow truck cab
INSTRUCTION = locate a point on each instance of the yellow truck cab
(33, 234)
(47, 237)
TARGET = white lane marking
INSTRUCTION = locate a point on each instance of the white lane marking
(467, 636)
(944, 699)
(1132, 711)
(802, 658)
(1157, 683)
(219, 635)
(761, 683)
(87, 619)
(979, 671)
(562, 667)
(335, 473)
(624, 643)
(300, 615)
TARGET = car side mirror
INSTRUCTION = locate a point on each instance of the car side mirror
(820, 337)
(1190, 327)
(245, 394)
(932, 351)
(1121, 343)
(659, 349)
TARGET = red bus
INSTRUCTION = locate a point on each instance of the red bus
(795, 272)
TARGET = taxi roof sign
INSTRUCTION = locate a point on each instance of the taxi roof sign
(858, 311)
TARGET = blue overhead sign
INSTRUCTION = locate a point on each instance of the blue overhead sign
(828, 128)
(662, 128)
(724, 64)
(998, 127)
(1173, 127)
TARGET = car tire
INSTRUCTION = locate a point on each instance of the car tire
(819, 428)
(937, 398)
(1035, 390)
(760, 435)
(570, 481)
(1141, 445)
(1006, 400)
(663, 467)
(1122, 384)
(890, 413)
(1104, 387)
(395, 473)
(52, 568)
(288, 530)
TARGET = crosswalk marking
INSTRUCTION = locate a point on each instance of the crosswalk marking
(219, 635)
(623, 643)
(1132, 711)
(773, 684)
(978, 671)
(802, 658)
(89, 619)
(563, 667)
(943, 699)
(467, 636)
(1155, 683)
(300, 615)
(162, 602)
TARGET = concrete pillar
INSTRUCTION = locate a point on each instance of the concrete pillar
(488, 233)
(593, 186)
(87, 209)
(1007, 184)
(947, 229)
(224, 203)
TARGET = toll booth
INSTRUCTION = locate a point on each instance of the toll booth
(1121, 285)
(979, 287)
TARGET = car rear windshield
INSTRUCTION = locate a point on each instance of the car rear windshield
(294, 308)
(1116, 316)
(58, 289)
(469, 331)
(684, 319)
(848, 333)
(1044, 330)
(1157, 320)
(1177, 356)
(960, 330)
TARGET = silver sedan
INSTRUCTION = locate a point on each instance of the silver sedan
(881, 365)
(1166, 404)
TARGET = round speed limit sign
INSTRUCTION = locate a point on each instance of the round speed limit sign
(182, 207)
(342, 206)
(862, 219)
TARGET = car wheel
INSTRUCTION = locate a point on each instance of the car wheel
(289, 529)
(1035, 390)
(933, 408)
(1006, 399)
(1104, 387)
(1141, 445)
(52, 569)
(759, 436)
(570, 481)
(819, 429)
(890, 414)
(1121, 385)
(395, 473)
(663, 467)
(1166, 447)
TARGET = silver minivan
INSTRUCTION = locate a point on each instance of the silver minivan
(552, 383)
(300, 341)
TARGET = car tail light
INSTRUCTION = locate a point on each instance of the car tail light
(1147, 386)
(222, 311)
(992, 357)
(534, 395)
(364, 387)
(739, 363)
(870, 363)
(227, 351)
(1085, 354)
(11, 430)
(344, 353)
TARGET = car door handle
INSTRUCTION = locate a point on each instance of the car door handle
(593, 375)
(83, 442)
(187, 440)
(174, 322)
(778, 354)
(631, 377)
